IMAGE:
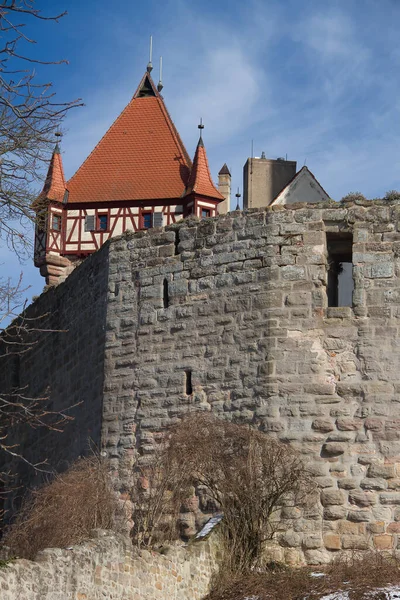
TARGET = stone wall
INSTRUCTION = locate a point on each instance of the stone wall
(240, 302)
(64, 363)
(247, 315)
(107, 567)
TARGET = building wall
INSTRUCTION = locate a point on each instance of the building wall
(108, 567)
(248, 316)
(246, 312)
(264, 179)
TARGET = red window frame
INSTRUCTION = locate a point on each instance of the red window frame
(205, 210)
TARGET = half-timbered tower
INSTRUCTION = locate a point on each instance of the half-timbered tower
(138, 176)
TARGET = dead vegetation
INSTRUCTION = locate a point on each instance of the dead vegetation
(243, 473)
(64, 511)
(362, 576)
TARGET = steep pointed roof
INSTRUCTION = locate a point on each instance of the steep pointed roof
(54, 186)
(141, 157)
(224, 170)
(304, 187)
(200, 181)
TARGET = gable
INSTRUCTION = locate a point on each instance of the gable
(304, 187)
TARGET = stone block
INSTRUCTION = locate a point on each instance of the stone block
(386, 471)
(354, 542)
(332, 497)
(324, 425)
(389, 498)
(332, 541)
(363, 499)
(383, 542)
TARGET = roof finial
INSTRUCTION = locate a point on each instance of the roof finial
(201, 127)
(160, 83)
(238, 195)
(58, 135)
(149, 64)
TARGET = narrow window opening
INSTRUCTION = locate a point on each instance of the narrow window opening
(165, 294)
(205, 213)
(340, 269)
(188, 382)
(147, 220)
(102, 223)
(177, 240)
(56, 222)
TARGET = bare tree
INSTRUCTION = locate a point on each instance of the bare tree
(249, 476)
(29, 117)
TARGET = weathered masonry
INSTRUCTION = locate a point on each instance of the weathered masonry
(242, 315)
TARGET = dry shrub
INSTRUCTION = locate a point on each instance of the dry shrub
(159, 491)
(362, 576)
(64, 511)
(246, 473)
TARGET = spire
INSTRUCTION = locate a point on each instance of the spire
(237, 195)
(54, 186)
(149, 64)
(200, 182)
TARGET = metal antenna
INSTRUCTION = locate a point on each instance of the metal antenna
(149, 64)
(238, 195)
(160, 83)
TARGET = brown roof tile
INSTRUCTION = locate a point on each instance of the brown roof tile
(200, 181)
(141, 157)
(54, 186)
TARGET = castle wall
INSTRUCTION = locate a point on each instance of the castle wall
(108, 567)
(240, 301)
(248, 317)
(64, 366)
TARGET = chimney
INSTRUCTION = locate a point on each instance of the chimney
(224, 187)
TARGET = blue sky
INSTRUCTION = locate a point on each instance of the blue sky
(316, 81)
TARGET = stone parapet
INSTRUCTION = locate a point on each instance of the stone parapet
(108, 567)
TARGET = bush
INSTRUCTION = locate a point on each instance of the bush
(246, 473)
(354, 197)
(392, 195)
(64, 511)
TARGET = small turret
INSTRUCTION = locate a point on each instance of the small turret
(201, 195)
(49, 210)
(224, 187)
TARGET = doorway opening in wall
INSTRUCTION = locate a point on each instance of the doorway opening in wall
(340, 268)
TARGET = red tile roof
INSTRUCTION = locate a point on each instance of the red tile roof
(200, 181)
(141, 157)
(54, 186)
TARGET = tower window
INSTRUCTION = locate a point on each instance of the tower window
(188, 382)
(56, 222)
(205, 213)
(102, 222)
(340, 269)
(147, 220)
